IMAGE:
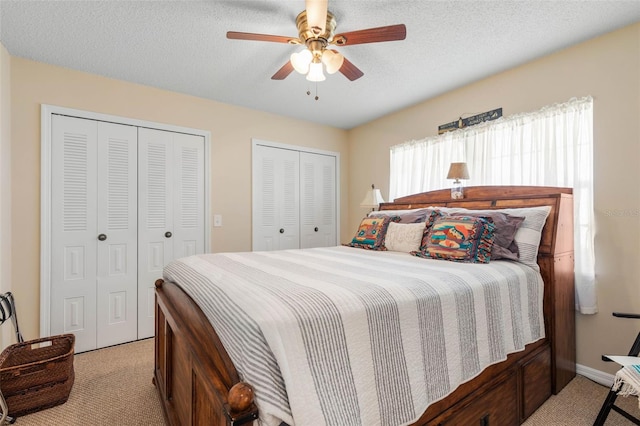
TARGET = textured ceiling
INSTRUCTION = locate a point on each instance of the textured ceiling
(181, 46)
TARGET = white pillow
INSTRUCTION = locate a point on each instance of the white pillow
(529, 233)
(405, 237)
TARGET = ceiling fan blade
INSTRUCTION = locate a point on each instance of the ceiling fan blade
(316, 14)
(283, 72)
(350, 71)
(371, 35)
(235, 35)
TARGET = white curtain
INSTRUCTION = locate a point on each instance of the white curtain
(549, 147)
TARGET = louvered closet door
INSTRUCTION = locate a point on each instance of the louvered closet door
(155, 218)
(188, 187)
(170, 209)
(317, 200)
(93, 269)
(276, 199)
(117, 274)
(74, 229)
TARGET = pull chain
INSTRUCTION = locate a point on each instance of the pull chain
(309, 92)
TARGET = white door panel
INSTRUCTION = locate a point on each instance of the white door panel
(155, 217)
(117, 274)
(265, 210)
(289, 202)
(188, 221)
(317, 200)
(73, 229)
(276, 198)
(74, 317)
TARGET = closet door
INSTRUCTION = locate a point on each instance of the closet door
(317, 200)
(155, 218)
(188, 187)
(74, 229)
(117, 271)
(170, 209)
(94, 237)
(276, 198)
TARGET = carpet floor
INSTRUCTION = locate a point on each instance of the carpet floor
(113, 387)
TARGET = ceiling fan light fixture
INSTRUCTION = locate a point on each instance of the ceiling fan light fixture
(332, 60)
(315, 72)
(301, 61)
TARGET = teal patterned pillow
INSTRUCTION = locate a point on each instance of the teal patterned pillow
(371, 232)
(429, 221)
(460, 239)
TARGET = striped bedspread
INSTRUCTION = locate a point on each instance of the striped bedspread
(345, 336)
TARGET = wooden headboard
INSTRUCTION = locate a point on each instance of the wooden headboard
(557, 235)
(555, 255)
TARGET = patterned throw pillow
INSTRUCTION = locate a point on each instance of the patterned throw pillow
(528, 235)
(371, 233)
(505, 228)
(429, 221)
(459, 238)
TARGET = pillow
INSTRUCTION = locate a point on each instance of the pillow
(405, 237)
(371, 233)
(528, 235)
(506, 226)
(459, 238)
(406, 216)
(430, 220)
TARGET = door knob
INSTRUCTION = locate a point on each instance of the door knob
(315, 229)
(102, 237)
(282, 230)
(168, 234)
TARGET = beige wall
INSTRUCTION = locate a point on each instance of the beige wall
(607, 68)
(5, 185)
(231, 128)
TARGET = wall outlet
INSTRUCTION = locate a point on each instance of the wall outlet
(217, 220)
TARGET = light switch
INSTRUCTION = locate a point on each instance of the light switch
(217, 220)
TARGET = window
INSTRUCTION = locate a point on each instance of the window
(549, 147)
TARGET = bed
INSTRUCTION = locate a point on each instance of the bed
(198, 383)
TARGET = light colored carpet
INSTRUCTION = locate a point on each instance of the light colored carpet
(578, 404)
(113, 387)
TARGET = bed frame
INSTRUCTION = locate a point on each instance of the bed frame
(199, 385)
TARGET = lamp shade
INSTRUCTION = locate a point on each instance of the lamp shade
(315, 72)
(372, 199)
(332, 60)
(301, 61)
(458, 171)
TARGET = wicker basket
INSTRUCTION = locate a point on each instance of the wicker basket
(35, 378)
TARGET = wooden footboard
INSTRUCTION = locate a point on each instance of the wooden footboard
(196, 380)
(195, 376)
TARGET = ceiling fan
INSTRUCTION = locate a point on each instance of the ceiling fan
(316, 27)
